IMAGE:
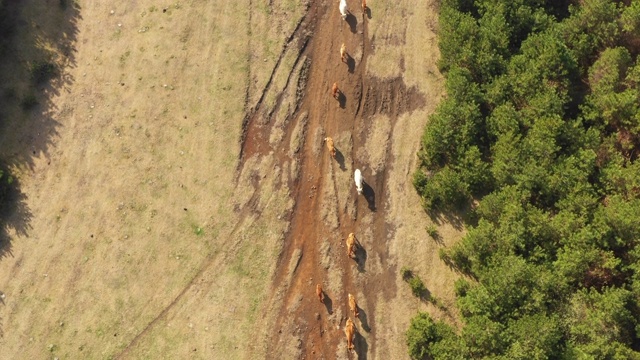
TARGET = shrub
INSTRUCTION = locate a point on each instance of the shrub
(417, 286)
(406, 273)
(432, 230)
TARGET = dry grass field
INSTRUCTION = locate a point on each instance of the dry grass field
(173, 197)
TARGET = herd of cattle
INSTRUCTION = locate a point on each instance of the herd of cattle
(352, 241)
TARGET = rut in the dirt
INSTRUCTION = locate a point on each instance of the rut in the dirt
(327, 206)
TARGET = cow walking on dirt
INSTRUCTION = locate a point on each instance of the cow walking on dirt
(344, 11)
(335, 91)
(351, 245)
(357, 177)
(330, 146)
(349, 331)
(343, 53)
(353, 306)
(320, 293)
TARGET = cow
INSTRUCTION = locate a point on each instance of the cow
(357, 177)
(343, 9)
(330, 146)
(353, 306)
(349, 331)
(335, 91)
(351, 245)
(364, 6)
(320, 293)
(343, 53)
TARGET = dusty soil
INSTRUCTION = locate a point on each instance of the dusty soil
(175, 198)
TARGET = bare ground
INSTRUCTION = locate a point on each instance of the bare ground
(182, 203)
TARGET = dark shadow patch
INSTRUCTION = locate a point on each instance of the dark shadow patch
(352, 21)
(361, 346)
(340, 160)
(351, 64)
(368, 13)
(369, 195)
(361, 257)
(342, 99)
(33, 75)
(14, 213)
(455, 217)
(364, 323)
(390, 97)
(328, 303)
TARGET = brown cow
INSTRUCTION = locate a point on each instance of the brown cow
(349, 331)
(351, 245)
(364, 5)
(320, 293)
(353, 305)
(335, 92)
(330, 146)
(343, 53)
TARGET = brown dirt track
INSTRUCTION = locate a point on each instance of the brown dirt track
(314, 247)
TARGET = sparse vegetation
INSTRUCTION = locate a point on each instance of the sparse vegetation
(406, 273)
(415, 283)
(432, 230)
(198, 230)
(417, 286)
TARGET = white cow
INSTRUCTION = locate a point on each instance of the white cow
(343, 9)
(359, 180)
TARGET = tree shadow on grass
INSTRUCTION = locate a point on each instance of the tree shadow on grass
(37, 47)
(34, 63)
(457, 216)
(15, 215)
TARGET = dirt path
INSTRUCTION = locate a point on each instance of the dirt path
(314, 250)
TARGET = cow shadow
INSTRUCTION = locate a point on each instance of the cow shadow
(361, 257)
(340, 160)
(342, 100)
(364, 323)
(361, 346)
(351, 64)
(352, 21)
(328, 303)
(367, 12)
(369, 195)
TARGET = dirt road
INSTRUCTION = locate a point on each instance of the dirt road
(327, 207)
